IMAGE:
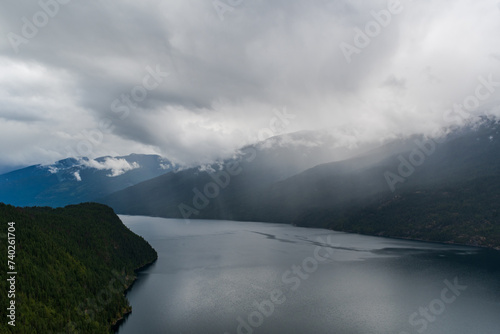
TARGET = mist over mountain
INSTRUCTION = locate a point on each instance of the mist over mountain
(72, 181)
(417, 187)
(418, 182)
(252, 169)
(246, 182)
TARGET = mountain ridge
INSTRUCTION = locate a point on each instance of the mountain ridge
(333, 195)
(72, 181)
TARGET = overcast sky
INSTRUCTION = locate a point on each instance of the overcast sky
(194, 79)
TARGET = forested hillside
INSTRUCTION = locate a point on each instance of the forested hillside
(73, 265)
(467, 213)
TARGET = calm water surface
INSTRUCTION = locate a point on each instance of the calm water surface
(240, 277)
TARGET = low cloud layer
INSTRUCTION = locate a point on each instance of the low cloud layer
(115, 166)
(193, 82)
(77, 176)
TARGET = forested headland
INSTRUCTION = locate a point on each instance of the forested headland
(73, 266)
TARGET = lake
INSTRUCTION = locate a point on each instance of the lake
(245, 277)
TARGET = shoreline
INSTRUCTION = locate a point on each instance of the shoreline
(115, 325)
(495, 248)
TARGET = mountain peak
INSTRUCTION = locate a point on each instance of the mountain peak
(71, 180)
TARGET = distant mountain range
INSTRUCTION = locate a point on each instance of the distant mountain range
(444, 189)
(441, 189)
(235, 181)
(73, 181)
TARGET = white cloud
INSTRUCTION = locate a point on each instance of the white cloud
(53, 169)
(165, 166)
(206, 168)
(77, 176)
(116, 166)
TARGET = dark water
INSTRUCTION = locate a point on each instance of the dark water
(233, 277)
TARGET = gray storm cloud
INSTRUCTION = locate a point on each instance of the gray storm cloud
(89, 77)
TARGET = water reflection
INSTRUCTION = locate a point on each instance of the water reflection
(218, 276)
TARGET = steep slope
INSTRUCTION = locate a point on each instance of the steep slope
(244, 188)
(453, 196)
(72, 181)
(448, 192)
(445, 173)
(233, 181)
(73, 265)
(465, 213)
(465, 156)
